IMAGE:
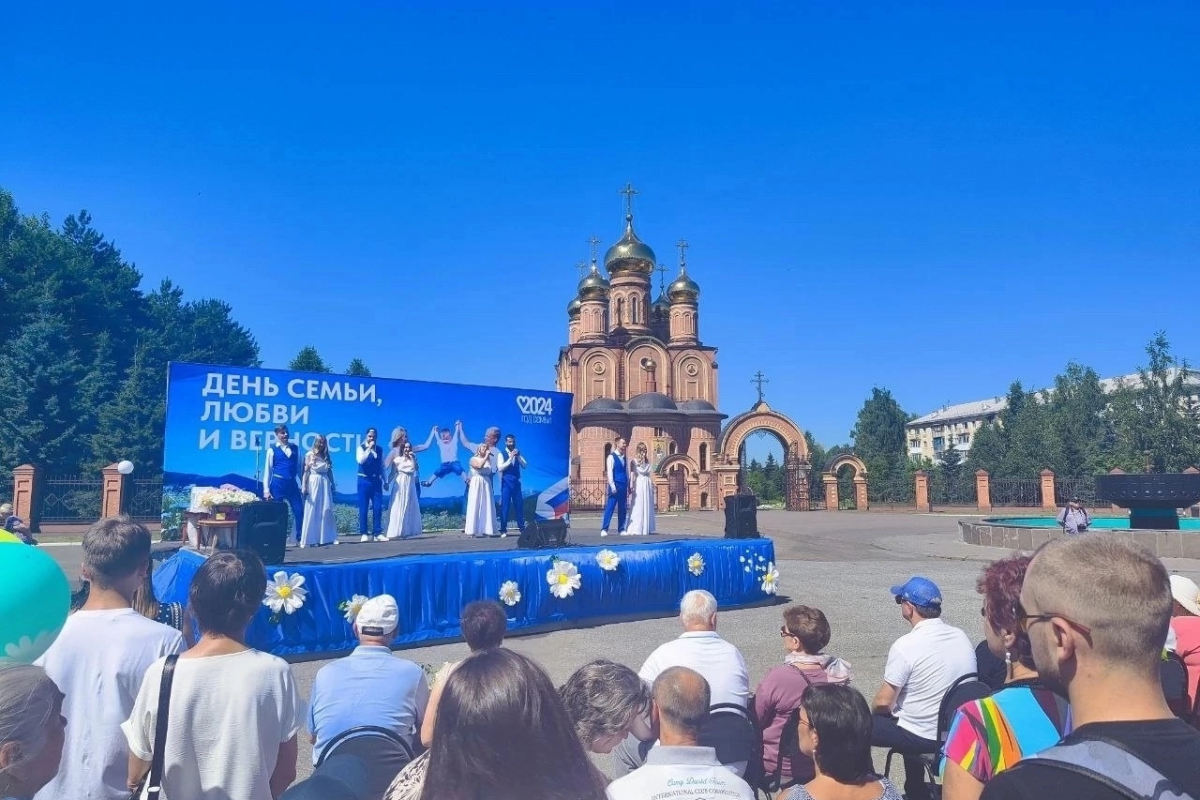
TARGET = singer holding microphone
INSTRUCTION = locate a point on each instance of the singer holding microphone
(370, 486)
(511, 463)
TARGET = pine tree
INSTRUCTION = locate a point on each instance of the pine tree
(309, 360)
(358, 369)
(130, 426)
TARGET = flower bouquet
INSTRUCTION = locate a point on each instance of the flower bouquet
(224, 502)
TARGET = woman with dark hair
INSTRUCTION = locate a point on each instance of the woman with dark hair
(503, 733)
(988, 736)
(835, 732)
(234, 712)
(805, 633)
(608, 702)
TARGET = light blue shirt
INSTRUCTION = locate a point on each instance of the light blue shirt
(369, 687)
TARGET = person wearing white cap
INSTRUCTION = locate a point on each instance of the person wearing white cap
(1185, 624)
(370, 686)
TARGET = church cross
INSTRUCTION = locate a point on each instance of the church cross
(662, 277)
(594, 242)
(581, 267)
(759, 379)
(683, 246)
(629, 192)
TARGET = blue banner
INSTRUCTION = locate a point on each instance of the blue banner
(221, 421)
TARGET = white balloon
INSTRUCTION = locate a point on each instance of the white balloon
(125, 467)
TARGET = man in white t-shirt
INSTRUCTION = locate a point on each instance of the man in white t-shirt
(921, 666)
(99, 660)
(678, 767)
(701, 648)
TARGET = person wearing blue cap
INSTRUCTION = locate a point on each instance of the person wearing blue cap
(921, 666)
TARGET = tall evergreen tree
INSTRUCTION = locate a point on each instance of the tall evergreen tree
(879, 438)
(131, 425)
(309, 360)
(358, 369)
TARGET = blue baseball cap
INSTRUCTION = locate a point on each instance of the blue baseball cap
(919, 591)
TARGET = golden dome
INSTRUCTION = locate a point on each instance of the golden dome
(593, 286)
(683, 289)
(574, 308)
(629, 253)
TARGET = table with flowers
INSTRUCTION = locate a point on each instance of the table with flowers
(212, 516)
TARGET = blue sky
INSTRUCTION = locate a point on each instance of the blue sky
(935, 198)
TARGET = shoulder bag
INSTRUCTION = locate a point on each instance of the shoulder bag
(151, 782)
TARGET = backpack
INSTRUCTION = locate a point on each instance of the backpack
(1111, 765)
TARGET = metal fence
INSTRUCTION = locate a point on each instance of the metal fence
(70, 498)
(144, 499)
(1084, 488)
(900, 493)
(952, 492)
(816, 494)
(588, 495)
(1016, 492)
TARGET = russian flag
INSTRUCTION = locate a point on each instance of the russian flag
(555, 502)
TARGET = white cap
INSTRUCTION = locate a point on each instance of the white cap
(1186, 593)
(379, 616)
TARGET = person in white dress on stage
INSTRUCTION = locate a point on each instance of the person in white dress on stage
(404, 517)
(481, 508)
(319, 526)
(641, 515)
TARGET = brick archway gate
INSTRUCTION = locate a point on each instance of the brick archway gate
(731, 448)
(829, 478)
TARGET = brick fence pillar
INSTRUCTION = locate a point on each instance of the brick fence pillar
(832, 503)
(1049, 502)
(860, 492)
(27, 495)
(112, 492)
(983, 491)
(922, 490)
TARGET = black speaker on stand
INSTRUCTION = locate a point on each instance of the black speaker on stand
(541, 534)
(262, 527)
(741, 516)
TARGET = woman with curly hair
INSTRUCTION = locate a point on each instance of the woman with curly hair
(988, 736)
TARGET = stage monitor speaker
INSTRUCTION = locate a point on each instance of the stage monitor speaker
(541, 534)
(262, 527)
(741, 516)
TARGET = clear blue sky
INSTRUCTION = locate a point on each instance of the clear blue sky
(936, 197)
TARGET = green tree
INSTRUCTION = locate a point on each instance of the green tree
(131, 424)
(1157, 414)
(358, 369)
(988, 449)
(309, 360)
(41, 374)
(879, 438)
(1080, 436)
(772, 479)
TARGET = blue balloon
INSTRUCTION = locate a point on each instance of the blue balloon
(34, 600)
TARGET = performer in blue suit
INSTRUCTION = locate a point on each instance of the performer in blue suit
(618, 488)
(370, 486)
(282, 478)
(511, 462)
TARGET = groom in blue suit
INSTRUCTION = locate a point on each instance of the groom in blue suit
(618, 488)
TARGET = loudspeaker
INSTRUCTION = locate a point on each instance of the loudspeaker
(541, 534)
(741, 516)
(262, 527)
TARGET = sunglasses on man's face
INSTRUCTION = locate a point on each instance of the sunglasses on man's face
(1026, 620)
(784, 632)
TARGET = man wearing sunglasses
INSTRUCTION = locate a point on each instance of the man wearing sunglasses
(1096, 610)
(921, 666)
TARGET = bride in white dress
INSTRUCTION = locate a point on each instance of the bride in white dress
(404, 516)
(316, 485)
(481, 508)
(641, 515)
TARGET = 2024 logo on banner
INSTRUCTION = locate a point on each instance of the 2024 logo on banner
(535, 410)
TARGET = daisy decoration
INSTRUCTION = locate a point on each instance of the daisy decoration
(563, 578)
(608, 560)
(695, 564)
(285, 593)
(510, 593)
(352, 606)
(770, 579)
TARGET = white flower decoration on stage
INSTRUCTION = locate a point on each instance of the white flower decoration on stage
(695, 564)
(285, 593)
(770, 579)
(510, 593)
(352, 607)
(608, 560)
(563, 578)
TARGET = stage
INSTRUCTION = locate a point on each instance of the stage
(433, 576)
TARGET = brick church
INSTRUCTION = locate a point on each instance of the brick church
(638, 370)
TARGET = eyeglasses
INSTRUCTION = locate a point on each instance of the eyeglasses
(899, 600)
(783, 631)
(1024, 620)
(983, 611)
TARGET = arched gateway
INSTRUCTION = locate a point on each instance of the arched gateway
(731, 449)
(830, 481)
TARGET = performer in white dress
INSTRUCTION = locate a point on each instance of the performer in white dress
(404, 516)
(641, 516)
(319, 526)
(481, 508)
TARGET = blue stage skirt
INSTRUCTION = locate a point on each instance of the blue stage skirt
(431, 590)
